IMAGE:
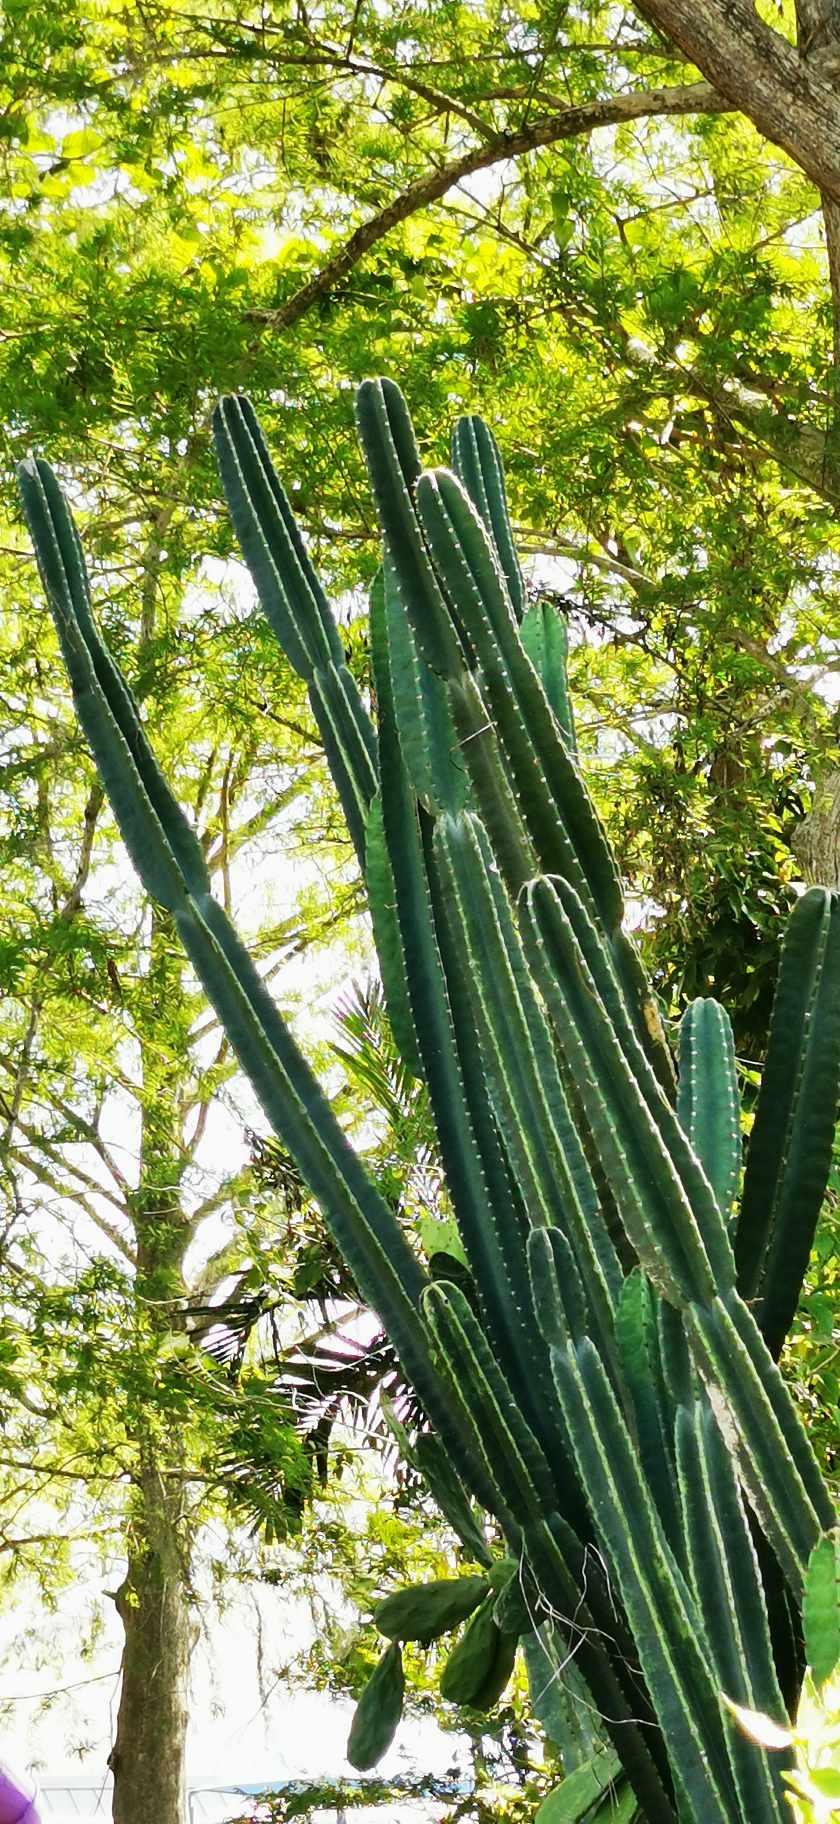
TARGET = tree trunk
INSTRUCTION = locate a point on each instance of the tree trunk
(788, 97)
(148, 1756)
(816, 842)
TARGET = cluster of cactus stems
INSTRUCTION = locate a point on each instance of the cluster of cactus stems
(601, 1391)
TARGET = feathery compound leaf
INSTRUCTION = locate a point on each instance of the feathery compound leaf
(789, 1153)
(821, 1608)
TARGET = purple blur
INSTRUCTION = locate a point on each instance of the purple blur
(16, 1799)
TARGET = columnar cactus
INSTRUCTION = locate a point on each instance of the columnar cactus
(606, 1390)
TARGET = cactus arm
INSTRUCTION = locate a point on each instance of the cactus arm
(295, 605)
(559, 1559)
(821, 1608)
(379, 880)
(601, 962)
(435, 1465)
(475, 1176)
(526, 1364)
(95, 676)
(571, 937)
(337, 708)
(494, 797)
(727, 1588)
(620, 1708)
(707, 1105)
(478, 465)
(652, 1200)
(364, 1227)
(665, 1623)
(387, 441)
(775, 1461)
(522, 1076)
(636, 1336)
(572, 844)
(293, 600)
(789, 1152)
(470, 1149)
(422, 713)
(509, 1448)
(545, 637)
(460, 548)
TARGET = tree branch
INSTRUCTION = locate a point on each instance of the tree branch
(760, 73)
(546, 130)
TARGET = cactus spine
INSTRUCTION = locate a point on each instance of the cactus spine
(618, 1426)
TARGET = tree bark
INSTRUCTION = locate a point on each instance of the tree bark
(816, 842)
(154, 1600)
(790, 98)
(148, 1756)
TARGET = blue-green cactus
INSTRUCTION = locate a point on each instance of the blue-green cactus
(604, 1393)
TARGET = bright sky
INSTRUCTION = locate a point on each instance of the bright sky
(243, 1728)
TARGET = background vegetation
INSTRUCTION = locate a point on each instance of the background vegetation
(637, 295)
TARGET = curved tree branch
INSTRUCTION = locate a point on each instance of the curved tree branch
(545, 130)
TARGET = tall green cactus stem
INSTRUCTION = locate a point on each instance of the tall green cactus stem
(679, 1232)
(545, 638)
(609, 1419)
(789, 1154)
(170, 862)
(295, 605)
(446, 607)
(478, 465)
(725, 1581)
(560, 1559)
(707, 1104)
(651, 1408)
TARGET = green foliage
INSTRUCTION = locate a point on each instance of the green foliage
(552, 1091)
